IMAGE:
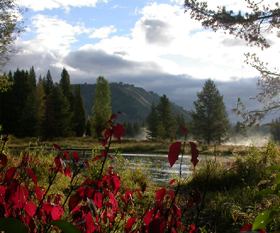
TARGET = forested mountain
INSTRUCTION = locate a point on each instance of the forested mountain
(135, 102)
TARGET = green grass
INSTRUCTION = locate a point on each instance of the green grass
(231, 200)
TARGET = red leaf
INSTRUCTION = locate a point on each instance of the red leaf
(113, 116)
(32, 176)
(157, 225)
(119, 128)
(119, 112)
(148, 217)
(56, 146)
(160, 194)
(4, 160)
(246, 228)
(30, 208)
(98, 200)
(39, 194)
(75, 157)
(74, 201)
(140, 196)
(66, 154)
(172, 181)
(86, 162)
(129, 224)
(183, 128)
(195, 153)
(10, 174)
(174, 151)
(56, 212)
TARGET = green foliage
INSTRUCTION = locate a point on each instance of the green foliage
(64, 226)
(12, 225)
(161, 122)
(231, 190)
(79, 119)
(152, 120)
(101, 109)
(10, 27)
(210, 123)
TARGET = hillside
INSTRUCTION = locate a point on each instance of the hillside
(135, 102)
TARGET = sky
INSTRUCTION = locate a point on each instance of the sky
(151, 44)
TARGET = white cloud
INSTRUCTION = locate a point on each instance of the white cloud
(52, 34)
(103, 32)
(40, 5)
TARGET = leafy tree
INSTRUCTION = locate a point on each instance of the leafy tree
(152, 123)
(79, 118)
(210, 121)
(254, 25)
(101, 109)
(10, 28)
(275, 129)
(166, 117)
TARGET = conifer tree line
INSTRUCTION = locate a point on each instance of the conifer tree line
(41, 108)
(162, 123)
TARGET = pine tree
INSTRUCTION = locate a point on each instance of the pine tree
(101, 110)
(79, 118)
(210, 123)
(88, 127)
(152, 123)
(41, 104)
(61, 112)
(167, 118)
(180, 121)
(67, 90)
(29, 122)
(48, 83)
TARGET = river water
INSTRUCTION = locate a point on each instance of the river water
(159, 167)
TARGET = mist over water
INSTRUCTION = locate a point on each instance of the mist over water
(251, 140)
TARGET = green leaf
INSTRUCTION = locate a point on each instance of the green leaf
(266, 191)
(263, 219)
(12, 225)
(272, 124)
(65, 226)
(275, 207)
(274, 167)
(277, 179)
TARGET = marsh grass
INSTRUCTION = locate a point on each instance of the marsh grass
(127, 146)
(231, 199)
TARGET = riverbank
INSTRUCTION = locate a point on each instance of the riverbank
(126, 146)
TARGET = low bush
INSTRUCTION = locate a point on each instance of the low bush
(65, 192)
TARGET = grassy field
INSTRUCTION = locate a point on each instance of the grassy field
(126, 146)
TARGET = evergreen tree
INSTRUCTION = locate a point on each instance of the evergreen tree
(48, 83)
(41, 104)
(101, 110)
(79, 118)
(180, 121)
(152, 123)
(167, 118)
(67, 89)
(210, 121)
(88, 127)
(61, 112)
(29, 121)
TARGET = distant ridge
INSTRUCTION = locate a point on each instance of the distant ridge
(135, 102)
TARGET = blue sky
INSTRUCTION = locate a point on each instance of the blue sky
(151, 44)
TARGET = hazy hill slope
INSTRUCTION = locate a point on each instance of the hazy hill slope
(135, 102)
